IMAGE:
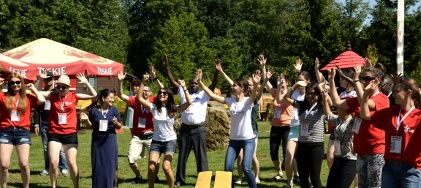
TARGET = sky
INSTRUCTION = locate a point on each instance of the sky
(372, 2)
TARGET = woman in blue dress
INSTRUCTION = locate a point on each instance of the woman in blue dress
(103, 118)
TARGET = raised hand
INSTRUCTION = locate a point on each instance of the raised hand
(165, 60)
(298, 65)
(83, 116)
(316, 64)
(43, 75)
(301, 83)
(121, 75)
(259, 73)
(1, 80)
(331, 73)
(199, 74)
(370, 87)
(269, 74)
(145, 77)
(182, 83)
(396, 77)
(357, 72)
(350, 80)
(82, 78)
(218, 65)
(30, 85)
(256, 78)
(115, 120)
(367, 63)
(152, 72)
(262, 60)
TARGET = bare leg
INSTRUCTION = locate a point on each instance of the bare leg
(166, 166)
(255, 163)
(289, 160)
(6, 153)
(23, 158)
(71, 153)
(54, 153)
(152, 169)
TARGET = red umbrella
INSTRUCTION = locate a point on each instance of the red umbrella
(58, 58)
(346, 59)
(9, 65)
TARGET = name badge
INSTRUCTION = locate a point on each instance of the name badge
(47, 105)
(62, 118)
(295, 113)
(304, 129)
(103, 125)
(356, 126)
(141, 123)
(337, 147)
(15, 115)
(396, 144)
(277, 113)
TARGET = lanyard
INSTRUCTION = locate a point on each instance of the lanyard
(61, 102)
(16, 101)
(308, 111)
(399, 121)
(104, 113)
(346, 122)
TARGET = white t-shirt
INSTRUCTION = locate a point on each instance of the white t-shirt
(196, 112)
(163, 125)
(295, 121)
(240, 119)
(345, 94)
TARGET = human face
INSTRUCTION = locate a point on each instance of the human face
(312, 95)
(146, 92)
(16, 84)
(342, 112)
(367, 78)
(135, 88)
(343, 83)
(236, 89)
(194, 85)
(163, 95)
(399, 94)
(109, 100)
(48, 81)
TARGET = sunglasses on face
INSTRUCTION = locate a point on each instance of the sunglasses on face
(368, 78)
(312, 94)
(14, 82)
(163, 93)
(62, 87)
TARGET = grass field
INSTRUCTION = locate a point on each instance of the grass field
(216, 162)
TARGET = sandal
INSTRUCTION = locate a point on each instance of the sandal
(278, 177)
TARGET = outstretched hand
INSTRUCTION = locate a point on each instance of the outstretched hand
(262, 60)
(199, 75)
(331, 73)
(298, 65)
(182, 83)
(121, 75)
(256, 78)
(367, 63)
(348, 79)
(218, 65)
(82, 78)
(396, 77)
(269, 74)
(83, 116)
(145, 77)
(152, 72)
(165, 60)
(316, 64)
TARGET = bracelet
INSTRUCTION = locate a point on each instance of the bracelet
(356, 80)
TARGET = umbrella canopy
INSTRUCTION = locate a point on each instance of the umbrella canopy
(346, 59)
(9, 65)
(58, 58)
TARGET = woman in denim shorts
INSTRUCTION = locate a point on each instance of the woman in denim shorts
(15, 110)
(164, 137)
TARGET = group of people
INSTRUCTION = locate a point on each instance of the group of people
(373, 142)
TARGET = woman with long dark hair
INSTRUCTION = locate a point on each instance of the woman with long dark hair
(15, 110)
(103, 118)
(164, 139)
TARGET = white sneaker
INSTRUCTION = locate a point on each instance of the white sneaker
(44, 173)
(239, 181)
(65, 172)
(257, 180)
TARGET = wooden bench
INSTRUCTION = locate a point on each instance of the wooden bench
(223, 179)
(204, 179)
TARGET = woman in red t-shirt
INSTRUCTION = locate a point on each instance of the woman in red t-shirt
(15, 110)
(63, 125)
(402, 134)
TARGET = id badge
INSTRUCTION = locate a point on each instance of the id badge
(304, 129)
(62, 118)
(103, 125)
(141, 123)
(15, 115)
(356, 126)
(47, 105)
(396, 144)
(295, 114)
(277, 113)
(337, 146)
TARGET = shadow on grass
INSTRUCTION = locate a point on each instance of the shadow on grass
(37, 185)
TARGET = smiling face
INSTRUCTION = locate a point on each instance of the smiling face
(146, 92)
(108, 100)
(311, 95)
(194, 85)
(62, 89)
(15, 84)
(163, 95)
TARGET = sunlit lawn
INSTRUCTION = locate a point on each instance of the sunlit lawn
(216, 162)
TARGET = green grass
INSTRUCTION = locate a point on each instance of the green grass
(216, 162)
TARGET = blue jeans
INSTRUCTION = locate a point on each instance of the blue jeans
(234, 148)
(15, 136)
(167, 147)
(44, 136)
(400, 174)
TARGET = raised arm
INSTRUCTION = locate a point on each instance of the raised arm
(170, 77)
(298, 65)
(325, 98)
(317, 71)
(207, 90)
(152, 73)
(365, 110)
(189, 101)
(215, 75)
(281, 89)
(336, 100)
(140, 98)
(256, 80)
(218, 67)
(83, 80)
(262, 86)
(287, 96)
(40, 97)
(262, 61)
(121, 75)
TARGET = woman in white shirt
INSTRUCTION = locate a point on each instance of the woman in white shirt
(241, 133)
(164, 138)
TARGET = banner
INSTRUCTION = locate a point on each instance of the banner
(400, 34)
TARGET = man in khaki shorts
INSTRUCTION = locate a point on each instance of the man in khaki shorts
(142, 124)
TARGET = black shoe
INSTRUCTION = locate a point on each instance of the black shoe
(137, 180)
(296, 180)
(156, 179)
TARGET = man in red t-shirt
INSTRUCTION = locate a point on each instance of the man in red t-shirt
(142, 123)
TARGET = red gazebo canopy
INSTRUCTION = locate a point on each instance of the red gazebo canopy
(9, 65)
(346, 59)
